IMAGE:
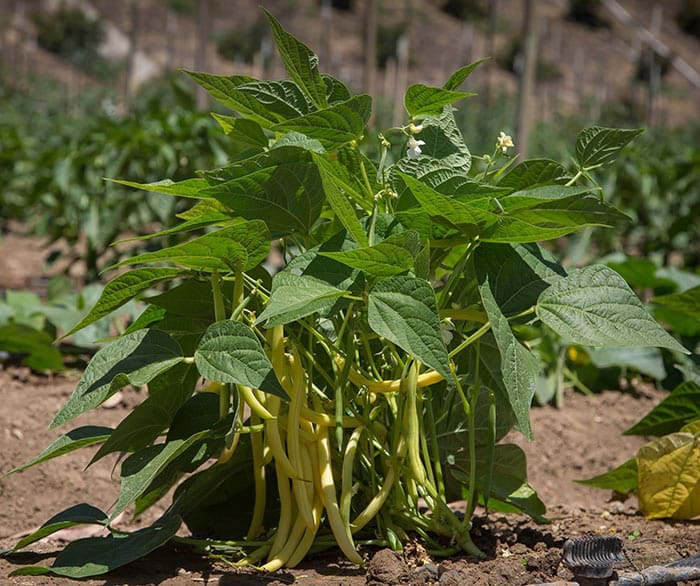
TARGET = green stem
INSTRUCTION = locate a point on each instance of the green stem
(471, 339)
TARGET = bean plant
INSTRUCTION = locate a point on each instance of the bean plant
(347, 393)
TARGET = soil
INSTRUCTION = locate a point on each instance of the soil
(580, 440)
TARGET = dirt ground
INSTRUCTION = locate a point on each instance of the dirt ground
(580, 440)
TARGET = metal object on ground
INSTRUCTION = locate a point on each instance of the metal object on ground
(684, 570)
(593, 557)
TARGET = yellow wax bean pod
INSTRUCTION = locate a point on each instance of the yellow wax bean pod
(341, 532)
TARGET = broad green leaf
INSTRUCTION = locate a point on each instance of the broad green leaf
(212, 218)
(461, 75)
(335, 125)
(422, 100)
(287, 196)
(517, 274)
(542, 195)
(132, 359)
(507, 485)
(246, 243)
(146, 422)
(123, 288)
(187, 188)
(298, 140)
(687, 302)
(519, 367)
(143, 466)
(300, 62)
(533, 172)
(597, 146)
(392, 256)
(531, 219)
(444, 148)
(669, 476)
(296, 296)
(338, 200)
(336, 90)
(270, 102)
(446, 210)
(230, 352)
(82, 514)
(517, 495)
(622, 479)
(148, 317)
(199, 413)
(220, 500)
(648, 361)
(264, 102)
(681, 406)
(244, 132)
(94, 556)
(594, 306)
(403, 310)
(73, 440)
(21, 339)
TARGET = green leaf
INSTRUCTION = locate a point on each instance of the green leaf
(447, 210)
(73, 440)
(403, 310)
(444, 148)
(335, 125)
(669, 476)
(132, 359)
(145, 423)
(296, 296)
(338, 201)
(336, 90)
(531, 173)
(150, 316)
(548, 212)
(35, 347)
(94, 556)
(247, 243)
(681, 406)
(143, 466)
(281, 187)
(461, 75)
(594, 306)
(123, 288)
(517, 274)
(187, 188)
(300, 62)
(519, 367)
(687, 302)
(422, 100)
(230, 352)
(82, 514)
(264, 102)
(212, 218)
(598, 146)
(648, 361)
(244, 132)
(392, 256)
(622, 479)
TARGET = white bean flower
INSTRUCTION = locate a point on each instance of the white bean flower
(414, 149)
(504, 141)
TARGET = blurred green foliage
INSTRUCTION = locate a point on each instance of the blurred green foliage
(53, 163)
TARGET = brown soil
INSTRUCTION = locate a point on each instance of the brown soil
(580, 440)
